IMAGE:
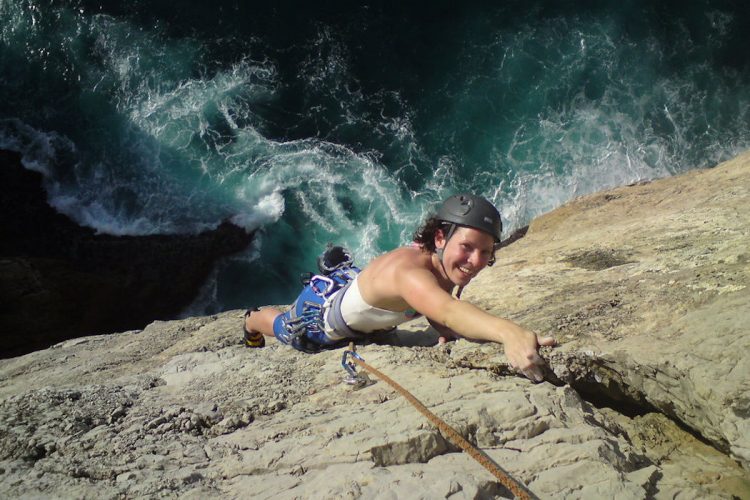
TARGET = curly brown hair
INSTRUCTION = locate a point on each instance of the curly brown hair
(424, 236)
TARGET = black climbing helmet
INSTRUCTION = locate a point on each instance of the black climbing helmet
(471, 211)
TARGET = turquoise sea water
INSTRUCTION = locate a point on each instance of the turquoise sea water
(343, 122)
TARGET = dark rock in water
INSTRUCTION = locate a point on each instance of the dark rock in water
(59, 280)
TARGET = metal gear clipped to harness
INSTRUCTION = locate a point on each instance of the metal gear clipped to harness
(335, 257)
(304, 324)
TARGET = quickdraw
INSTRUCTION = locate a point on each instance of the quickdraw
(352, 378)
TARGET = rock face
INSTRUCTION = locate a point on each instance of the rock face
(59, 280)
(646, 288)
(657, 295)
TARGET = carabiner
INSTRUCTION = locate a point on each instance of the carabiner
(322, 285)
(353, 378)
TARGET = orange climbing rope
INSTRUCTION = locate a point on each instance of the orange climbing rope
(514, 486)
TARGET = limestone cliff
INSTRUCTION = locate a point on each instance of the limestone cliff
(645, 287)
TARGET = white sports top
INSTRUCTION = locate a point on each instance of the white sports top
(361, 316)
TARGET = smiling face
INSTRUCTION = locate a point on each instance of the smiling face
(466, 253)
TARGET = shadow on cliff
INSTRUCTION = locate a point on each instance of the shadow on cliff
(426, 337)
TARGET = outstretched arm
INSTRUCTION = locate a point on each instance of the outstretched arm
(420, 289)
(521, 345)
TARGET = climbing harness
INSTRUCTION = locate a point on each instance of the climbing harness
(303, 326)
(517, 488)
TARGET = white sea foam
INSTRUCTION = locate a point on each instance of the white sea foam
(530, 113)
(268, 209)
(38, 148)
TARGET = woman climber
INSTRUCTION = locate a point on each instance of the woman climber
(449, 250)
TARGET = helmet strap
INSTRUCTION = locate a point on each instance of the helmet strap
(451, 228)
(446, 236)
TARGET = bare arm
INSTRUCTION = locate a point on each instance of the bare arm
(420, 289)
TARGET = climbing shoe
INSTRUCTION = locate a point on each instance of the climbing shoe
(254, 339)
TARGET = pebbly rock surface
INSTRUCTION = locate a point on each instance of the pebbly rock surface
(645, 287)
(59, 280)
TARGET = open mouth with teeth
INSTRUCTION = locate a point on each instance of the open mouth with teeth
(465, 270)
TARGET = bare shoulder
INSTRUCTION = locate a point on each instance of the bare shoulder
(381, 281)
(401, 260)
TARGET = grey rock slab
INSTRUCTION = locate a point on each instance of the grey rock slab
(646, 288)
